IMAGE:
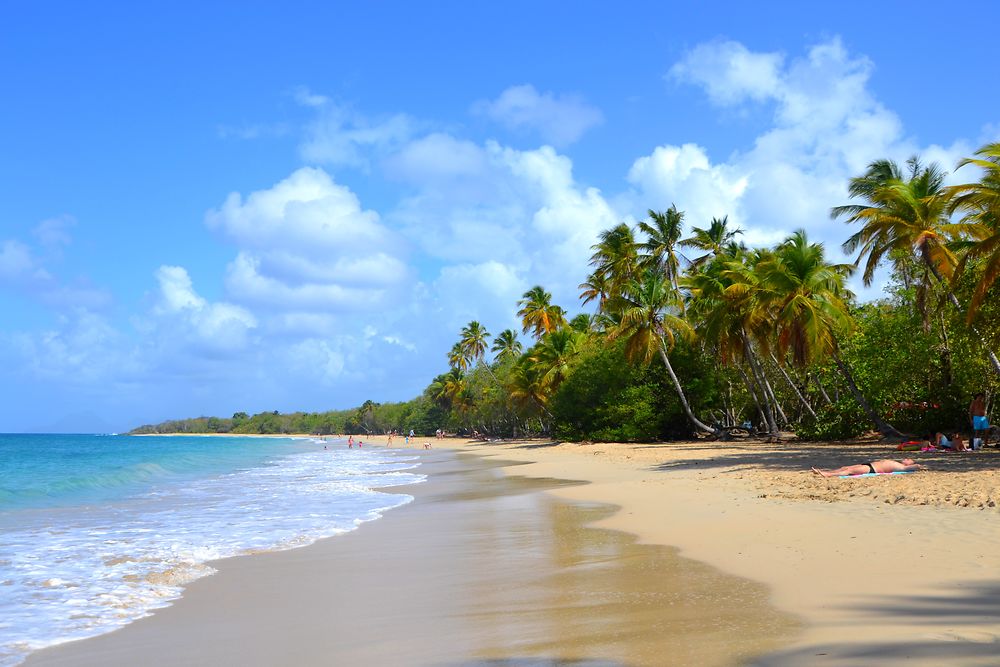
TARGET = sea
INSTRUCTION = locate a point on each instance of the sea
(97, 531)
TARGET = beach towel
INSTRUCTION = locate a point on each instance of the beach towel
(876, 474)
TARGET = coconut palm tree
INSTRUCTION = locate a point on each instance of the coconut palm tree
(473, 341)
(616, 256)
(649, 324)
(717, 240)
(980, 203)
(538, 314)
(457, 358)
(725, 302)
(507, 346)
(554, 355)
(806, 299)
(596, 287)
(663, 231)
(912, 215)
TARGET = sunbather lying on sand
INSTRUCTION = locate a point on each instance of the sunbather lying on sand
(884, 465)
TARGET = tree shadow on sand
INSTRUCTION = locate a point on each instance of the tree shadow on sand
(803, 456)
(535, 662)
(947, 632)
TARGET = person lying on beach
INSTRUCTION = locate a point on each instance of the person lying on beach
(881, 466)
(955, 442)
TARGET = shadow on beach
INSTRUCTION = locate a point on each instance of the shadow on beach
(802, 456)
(950, 636)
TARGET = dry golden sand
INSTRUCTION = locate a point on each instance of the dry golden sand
(899, 569)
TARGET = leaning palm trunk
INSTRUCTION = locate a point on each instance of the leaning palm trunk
(774, 397)
(753, 394)
(884, 427)
(759, 378)
(802, 399)
(822, 390)
(700, 425)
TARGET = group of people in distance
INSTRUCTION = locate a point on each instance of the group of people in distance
(980, 430)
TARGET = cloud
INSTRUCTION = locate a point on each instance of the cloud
(827, 126)
(306, 244)
(213, 326)
(18, 265)
(84, 348)
(558, 119)
(24, 269)
(305, 97)
(54, 232)
(518, 217)
(729, 72)
(339, 136)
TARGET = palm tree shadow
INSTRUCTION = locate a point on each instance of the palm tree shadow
(803, 456)
(535, 662)
(947, 635)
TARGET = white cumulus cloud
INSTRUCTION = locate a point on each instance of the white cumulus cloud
(306, 244)
(558, 119)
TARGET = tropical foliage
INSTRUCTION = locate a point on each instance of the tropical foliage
(728, 337)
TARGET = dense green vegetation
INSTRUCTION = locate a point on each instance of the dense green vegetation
(701, 335)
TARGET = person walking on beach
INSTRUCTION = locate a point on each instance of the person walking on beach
(880, 466)
(350, 442)
(977, 415)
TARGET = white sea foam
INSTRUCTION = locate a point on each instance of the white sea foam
(69, 573)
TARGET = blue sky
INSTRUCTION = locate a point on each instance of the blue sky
(259, 206)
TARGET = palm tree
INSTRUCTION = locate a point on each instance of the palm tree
(506, 345)
(909, 215)
(616, 256)
(649, 324)
(980, 202)
(538, 314)
(457, 358)
(554, 355)
(806, 298)
(663, 231)
(446, 387)
(725, 301)
(717, 240)
(474, 340)
(584, 323)
(596, 287)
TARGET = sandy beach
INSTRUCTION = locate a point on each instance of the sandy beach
(696, 554)
(485, 567)
(898, 569)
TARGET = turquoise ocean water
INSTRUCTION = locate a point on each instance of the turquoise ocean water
(98, 530)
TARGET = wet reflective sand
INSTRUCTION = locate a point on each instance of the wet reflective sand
(481, 569)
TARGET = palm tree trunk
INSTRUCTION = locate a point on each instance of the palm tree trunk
(772, 424)
(884, 427)
(680, 392)
(954, 301)
(822, 389)
(753, 394)
(774, 397)
(791, 384)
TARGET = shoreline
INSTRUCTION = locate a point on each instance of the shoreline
(484, 567)
(893, 570)
(874, 577)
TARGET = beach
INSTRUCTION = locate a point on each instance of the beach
(484, 567)
(624, 554)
